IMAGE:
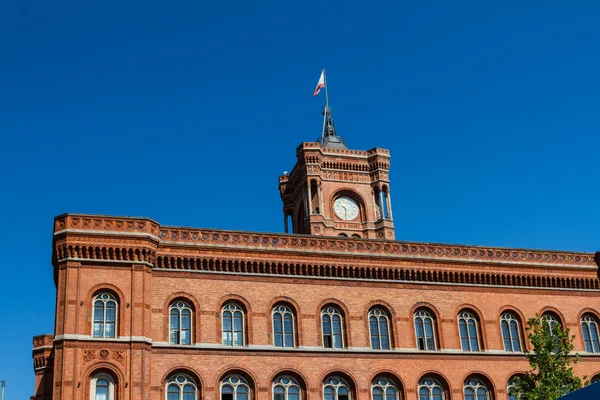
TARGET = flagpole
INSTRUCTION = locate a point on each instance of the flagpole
(326, 105)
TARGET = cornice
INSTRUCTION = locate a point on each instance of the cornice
(271, 242)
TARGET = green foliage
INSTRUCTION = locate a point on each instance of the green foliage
(551, 374)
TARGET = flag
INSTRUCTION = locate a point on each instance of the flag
(320, 84)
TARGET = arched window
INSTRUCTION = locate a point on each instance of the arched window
(105, 316)
(430, 389)
(102, 387)
(180, 331)
(425, 330)
(384, 389)
(234, 387)
(511, 389)
(379, 327)
(335, 388)
(475, 389)
(233, 325)
(283, 326)
(469, 338)
(286, 388)
(511, 333)
(595, 379)
(551, 320)
(181, 387)
(589, 326)
(332, 324)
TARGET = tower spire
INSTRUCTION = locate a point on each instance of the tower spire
(329, 137)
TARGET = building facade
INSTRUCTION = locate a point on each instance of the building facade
(336, 309)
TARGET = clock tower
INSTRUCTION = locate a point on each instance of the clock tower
(335, 191)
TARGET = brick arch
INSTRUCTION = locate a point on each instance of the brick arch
(247, 320)
(438, 322)
(243, 372)
(346, 320)
(300, 378)
(479, 315)
(342, 373)
(393, 317)
(441, 378)
(394, 377)
(288, 301)
(579, 337)
(483, 377)
(121, 305)
(196, 312)
(554, 310)
(591, 311)
(108, 368)
(522, 324)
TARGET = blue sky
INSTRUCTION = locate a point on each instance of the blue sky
(187, 112)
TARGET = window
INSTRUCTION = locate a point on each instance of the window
(510, 332)
(234, 387)
(379, 327)
(595, 379)
(102, 387)
(335, 388)
(283, 326)
(333, 335)
(467, 325)
(552, 321)
(180, 323)
(286, 388)
(589, 326)
(181, 387)
(105, 316)
(384, 389)
(424, 330)
(233, 325)
(476, 390)
(430, 389)
(511, 389)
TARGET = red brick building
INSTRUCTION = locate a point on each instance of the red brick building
(336, 309)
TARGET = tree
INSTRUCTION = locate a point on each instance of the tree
(551, 374)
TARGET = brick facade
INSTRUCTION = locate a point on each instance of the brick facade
(146, 267)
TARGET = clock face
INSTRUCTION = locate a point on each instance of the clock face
(345, 208)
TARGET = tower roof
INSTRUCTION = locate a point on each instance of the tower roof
(329, 138)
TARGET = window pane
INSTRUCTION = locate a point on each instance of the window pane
(174, 319)
(464, 340)
(186, 319)
(227, 389)
(390, 394)
(514, 333)
(98, 329)
(289, 340)
(326, 325)
(278, 340)
(473, 335)
(586, 337)
(594, 331)
(277, 325)
(101, 389)
(377, 393)
(469, 394)
(227, 331)
(337, 341)
(436, 393)
(189, 392)
(110, 312)
(506, 336)
(242, 393)
(173, 392)
(109, 330)
(238, 339)
(337, 324)
(288, 323)
(98, 311)
(423, 394)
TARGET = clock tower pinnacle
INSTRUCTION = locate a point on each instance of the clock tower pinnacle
(335, 191)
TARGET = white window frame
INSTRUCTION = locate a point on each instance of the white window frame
(423, 383)
(180, 306)
(378, 313)
(469, 316)
(291, 383)
(111, 385)
(331, 311)
(509, 317)
(105, 297)
(188, 380)
(423, 315)
(232, 308)
(474, 384)
(337, 386)
(240, 382)
(591, 323)
(283, 309)
(387, 383)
